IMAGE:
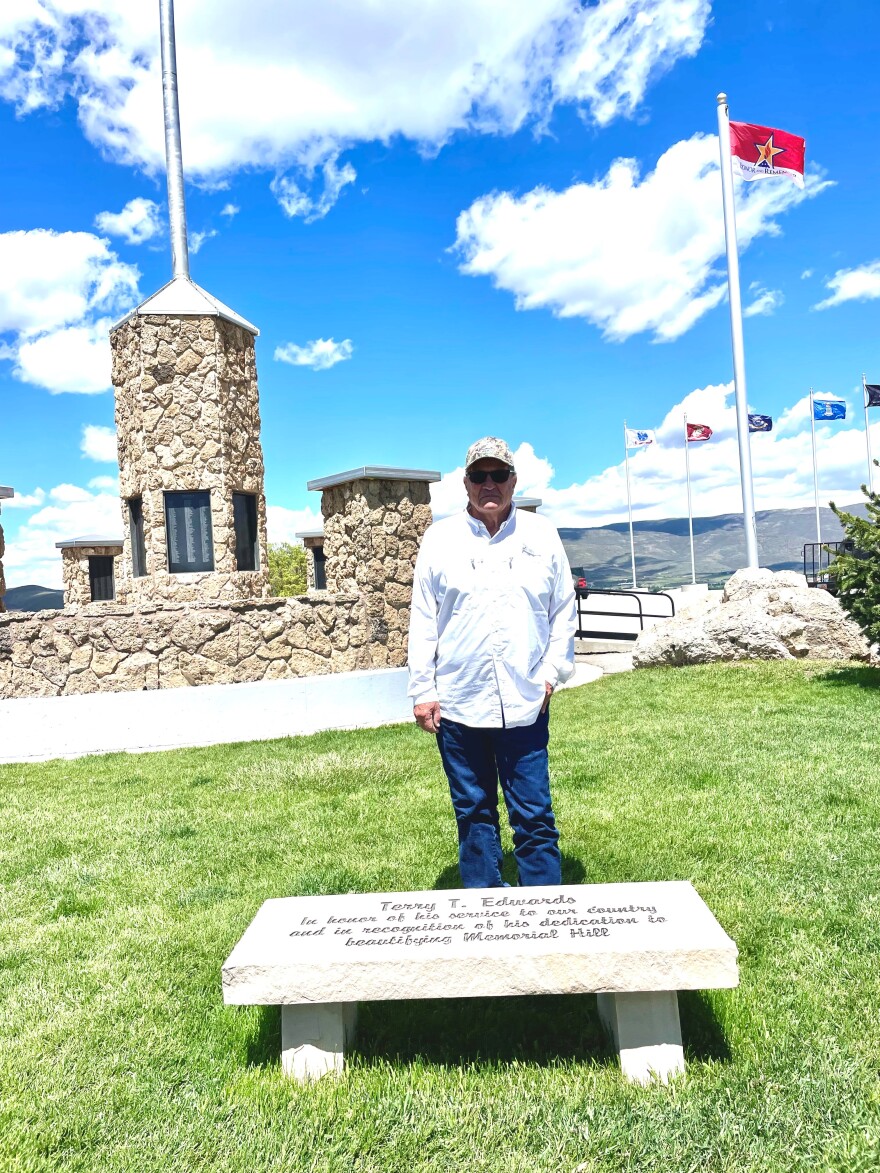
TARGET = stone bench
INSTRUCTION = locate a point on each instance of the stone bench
(634, 945)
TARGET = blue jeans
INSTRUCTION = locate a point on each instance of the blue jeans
(475, 760)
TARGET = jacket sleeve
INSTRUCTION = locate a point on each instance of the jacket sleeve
(558, 661)
(422, 647)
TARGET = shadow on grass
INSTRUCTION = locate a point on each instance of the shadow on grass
(701, 1031)
(264, 1045)
(573, 872)
(851, 677)
(540, 1028)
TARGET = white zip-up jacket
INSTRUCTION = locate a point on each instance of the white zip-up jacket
(492, 619)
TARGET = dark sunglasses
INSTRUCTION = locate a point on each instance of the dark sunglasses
(498, 475)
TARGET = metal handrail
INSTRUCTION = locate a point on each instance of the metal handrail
(821, 556)
(582, 593)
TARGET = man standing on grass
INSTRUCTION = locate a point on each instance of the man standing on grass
(491, 635)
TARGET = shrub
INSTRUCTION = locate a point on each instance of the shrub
(287, 569)
(858, 570)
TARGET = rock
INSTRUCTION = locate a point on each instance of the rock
(747, 582)
(762, 616)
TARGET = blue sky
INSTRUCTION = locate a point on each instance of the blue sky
(447, 219)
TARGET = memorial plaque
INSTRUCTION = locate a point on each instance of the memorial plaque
(495, 942)
(189, 536)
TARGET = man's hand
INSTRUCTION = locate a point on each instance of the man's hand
(548, 692)
(428, 716)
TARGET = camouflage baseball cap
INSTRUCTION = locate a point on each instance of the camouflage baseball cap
(489, 447)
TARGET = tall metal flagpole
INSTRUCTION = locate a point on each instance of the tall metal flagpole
(173, 151)
(632, 544)
(868, 437)
(815, 468)
(687, 464)
(736, 336)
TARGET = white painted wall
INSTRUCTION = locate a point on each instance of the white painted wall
(37, 729)
(34, 729)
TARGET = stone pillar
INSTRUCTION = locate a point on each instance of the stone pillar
(75, 569)
(374, 519)
(528, 504)
(5, 494)
(313, 541)
(188, 419)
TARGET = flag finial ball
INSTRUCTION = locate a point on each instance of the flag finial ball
(721, 99)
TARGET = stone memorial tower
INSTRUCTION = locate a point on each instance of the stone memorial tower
(187, 423)
(190, 458)
(374, 520)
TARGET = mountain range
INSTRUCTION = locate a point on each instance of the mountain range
(601, 554)
(33, 598)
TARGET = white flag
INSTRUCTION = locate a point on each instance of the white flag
(635, 439)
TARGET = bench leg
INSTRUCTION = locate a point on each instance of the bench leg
(314, 1037)
(647, 1033)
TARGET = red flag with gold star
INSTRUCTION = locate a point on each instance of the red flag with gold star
(760, 152)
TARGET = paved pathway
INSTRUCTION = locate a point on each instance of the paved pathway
(608, 662)
(594, 665)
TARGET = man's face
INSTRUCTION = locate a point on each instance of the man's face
(489, 498)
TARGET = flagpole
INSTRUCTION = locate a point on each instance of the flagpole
(687, 464)
(868, 437)
(173, 151)
(632, 544)
(815, 469)
(736, 336)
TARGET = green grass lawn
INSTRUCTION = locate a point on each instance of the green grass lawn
(126, 881)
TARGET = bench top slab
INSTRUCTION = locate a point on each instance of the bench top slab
(480, 942)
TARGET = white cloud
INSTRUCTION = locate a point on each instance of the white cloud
(766, 302)
(629, 254)
(71, 512)
(197, 239)
(859, 284)
(25, 500)
(782, 468)
(59, 294)
(138, 221)
(276, 84)
(50, 279)
(297, 202)
(320, 354)
(282, 524)
(807, 273)
(230, 210)
(104, 483)
(75, 359)
(99, 443)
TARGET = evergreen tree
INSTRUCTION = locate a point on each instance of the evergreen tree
(857, 567)
(287, 570)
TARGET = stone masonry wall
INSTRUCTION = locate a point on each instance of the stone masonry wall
(75, 573)
(372, 531)
(2, 579)
(110, 648)
(188, 418)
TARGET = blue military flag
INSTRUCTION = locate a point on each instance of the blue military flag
(760, 423)
(872, 395)
(829, 408)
